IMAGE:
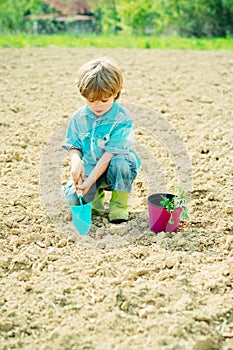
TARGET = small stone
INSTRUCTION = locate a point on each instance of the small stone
(229, 209)
(170, 263)
(41, 265)
(24, 276)
(2, 302)
(48, 242)
(160, 302)
(101, 245)
(14, 231)
(50, 268)
(28, 287)
(206, 344)
(67, 290)
(105, 221)
(133, 275)
(41, 244)
(36, 237)
(35, 325)
(150, 309)
(183, 302)
(9, 223)
(52, 257)
(6, 326)
(229, 243)
(22, 260)
(100, 232)
(118, 229)
(125, 284)
(5, 263)
(175, 331)
(115, 281)
(62, 243)
(202, 317)
(211, 197)
(228, 344)
(206, 99)
(77, 307)
(72, 238)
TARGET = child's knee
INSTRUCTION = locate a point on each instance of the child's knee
(119, 164)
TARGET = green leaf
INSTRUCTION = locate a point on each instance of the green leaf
(171, 220)
(178, 201)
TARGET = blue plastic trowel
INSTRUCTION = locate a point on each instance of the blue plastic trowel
(81, 215)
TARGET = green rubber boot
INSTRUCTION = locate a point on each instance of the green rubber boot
(118, 208)
(98, 202)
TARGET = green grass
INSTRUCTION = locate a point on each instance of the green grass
(114, 41)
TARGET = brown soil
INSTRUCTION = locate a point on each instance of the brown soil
(120, 287)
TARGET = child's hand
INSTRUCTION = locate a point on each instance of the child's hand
(77, 170)
(85, 186)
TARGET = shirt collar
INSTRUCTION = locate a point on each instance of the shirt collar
(109, 115)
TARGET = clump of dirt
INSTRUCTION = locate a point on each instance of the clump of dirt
(121, 286)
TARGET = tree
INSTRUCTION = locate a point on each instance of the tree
(200, 17)
(12, 13)
(137, 15)
(107, 18)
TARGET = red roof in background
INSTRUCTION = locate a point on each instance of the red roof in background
(69, 7)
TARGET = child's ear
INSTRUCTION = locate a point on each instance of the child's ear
(117, 95)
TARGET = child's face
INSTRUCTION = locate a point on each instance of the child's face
(100, 107)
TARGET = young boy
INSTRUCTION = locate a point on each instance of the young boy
(99, 140)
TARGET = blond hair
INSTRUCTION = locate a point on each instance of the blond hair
(101, 78)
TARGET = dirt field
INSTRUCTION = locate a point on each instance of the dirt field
(120, 287)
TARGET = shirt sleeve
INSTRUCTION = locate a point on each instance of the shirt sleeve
(72, 136)
(122, 135)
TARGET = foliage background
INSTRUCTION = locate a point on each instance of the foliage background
(198, 18)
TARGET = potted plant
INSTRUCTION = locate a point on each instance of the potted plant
(166, 210)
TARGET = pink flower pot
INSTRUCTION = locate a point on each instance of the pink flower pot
(159, 216)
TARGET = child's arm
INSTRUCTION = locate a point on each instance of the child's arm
(98, 170)
(77, 168)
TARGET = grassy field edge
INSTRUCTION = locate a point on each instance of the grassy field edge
(114, 41)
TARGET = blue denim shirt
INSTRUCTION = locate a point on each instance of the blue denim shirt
(112, 132)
